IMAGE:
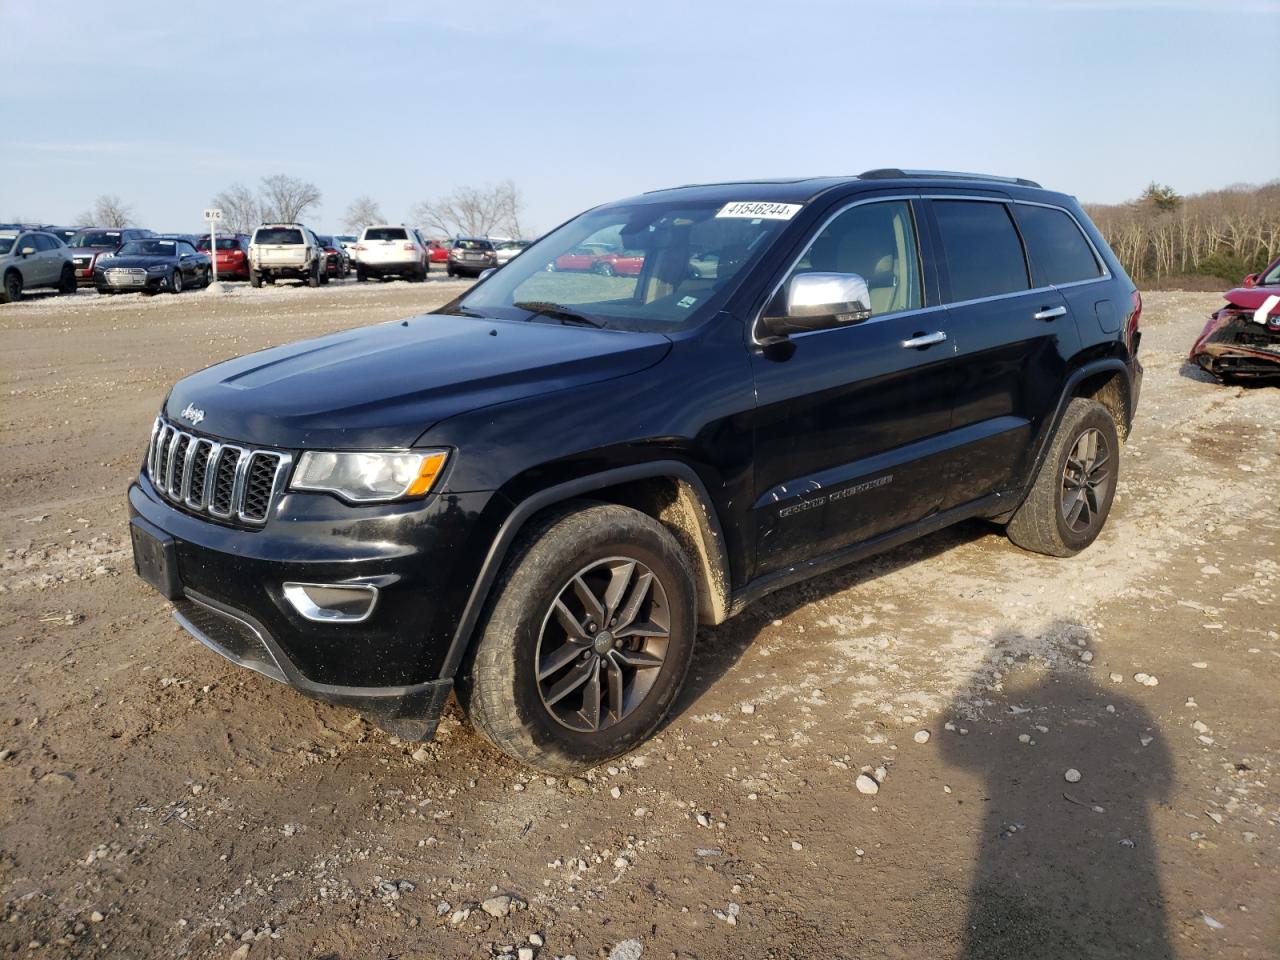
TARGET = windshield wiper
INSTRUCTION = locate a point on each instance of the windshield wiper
(557, 312)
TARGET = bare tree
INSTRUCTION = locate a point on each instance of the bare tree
(473, 211)
(361, 212)
(108, 211)
(285, 199)
(241, 210)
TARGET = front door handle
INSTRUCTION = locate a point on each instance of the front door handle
(1051, 313)
(924, 340)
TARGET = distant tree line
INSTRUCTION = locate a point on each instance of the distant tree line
(1224, 233)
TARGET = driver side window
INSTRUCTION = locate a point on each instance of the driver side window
(877, 241)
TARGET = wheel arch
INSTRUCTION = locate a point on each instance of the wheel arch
(669, 491)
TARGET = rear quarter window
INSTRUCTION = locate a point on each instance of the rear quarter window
(984, 255)
(1058, 251)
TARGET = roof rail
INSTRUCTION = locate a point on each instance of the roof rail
(893, 173)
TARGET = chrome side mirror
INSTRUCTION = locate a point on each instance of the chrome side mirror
(817, 301)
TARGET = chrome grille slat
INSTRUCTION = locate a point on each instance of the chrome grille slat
(222, 480)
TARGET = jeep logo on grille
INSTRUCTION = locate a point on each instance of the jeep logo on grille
(192, 413)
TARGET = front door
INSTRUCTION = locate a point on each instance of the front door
(851, 423)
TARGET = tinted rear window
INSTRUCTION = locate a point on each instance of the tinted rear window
(473, 245)
(224, 243)
(278, 235)
(1057, 249)
(984, 255)
(386, 233)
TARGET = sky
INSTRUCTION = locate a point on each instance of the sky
(579, 103)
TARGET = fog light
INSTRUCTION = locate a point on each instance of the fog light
(332, 602)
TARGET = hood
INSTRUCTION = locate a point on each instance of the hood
(135, 261)
(384, 386)
(1251, 298)
(91, 251)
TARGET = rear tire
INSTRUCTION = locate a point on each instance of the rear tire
(255, 279)
(597, 695)
(1072, 494)
(361, 276)
(11, 290)
(313, 280)
(67, 281)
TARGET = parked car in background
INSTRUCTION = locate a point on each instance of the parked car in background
(286, 251)
(347, 241)
(231, 257)
(33, 258)
(152, 265)
(438, 250)
(471, 256)
(336, 262)
(508, 250)
(65, 234)
(581, 259)
(623, 263)
(91, 242)
(1241, 341)
(391, 250)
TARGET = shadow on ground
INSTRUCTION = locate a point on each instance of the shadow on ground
(1063, 869)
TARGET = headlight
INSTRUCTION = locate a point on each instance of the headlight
(369, 477)
(157, 267)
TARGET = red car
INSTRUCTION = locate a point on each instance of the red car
(232, 256)
(439, 251)
(627, 263)
(1242, 340)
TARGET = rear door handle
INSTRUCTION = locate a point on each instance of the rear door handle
(1051, 313)
(924, 340)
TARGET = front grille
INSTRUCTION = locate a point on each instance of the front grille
(126, 276)
(222, 480)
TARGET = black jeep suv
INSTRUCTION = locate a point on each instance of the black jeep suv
(537, 492)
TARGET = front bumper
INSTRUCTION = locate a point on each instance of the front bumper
(1232, 344)
(227, 589)
(152, 284)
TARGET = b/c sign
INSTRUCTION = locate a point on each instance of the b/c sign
(210, 216)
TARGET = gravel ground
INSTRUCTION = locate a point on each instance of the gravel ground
(953, 750)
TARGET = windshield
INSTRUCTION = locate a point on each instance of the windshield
(6, 244)
(642, 267)
(1272, 276)
(149, 248)
(96, 238)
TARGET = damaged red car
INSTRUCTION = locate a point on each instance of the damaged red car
(1241, 341)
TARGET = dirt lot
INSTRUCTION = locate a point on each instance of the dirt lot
(157, 801)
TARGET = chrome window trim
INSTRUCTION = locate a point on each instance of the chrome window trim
(755, 323)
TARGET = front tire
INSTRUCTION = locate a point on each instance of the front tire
(1072, 495)
(586, 640)
(175, 281)
(11, 291)
(67, 281)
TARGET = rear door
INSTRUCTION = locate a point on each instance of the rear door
(48, 262)
(852, 423)
(1013, 343)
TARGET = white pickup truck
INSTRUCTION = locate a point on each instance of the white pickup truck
(288, 251)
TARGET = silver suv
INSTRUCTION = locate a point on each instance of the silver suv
(33, 258)
(286, 251)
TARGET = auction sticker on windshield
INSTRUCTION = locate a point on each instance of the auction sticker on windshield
(759, 210)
